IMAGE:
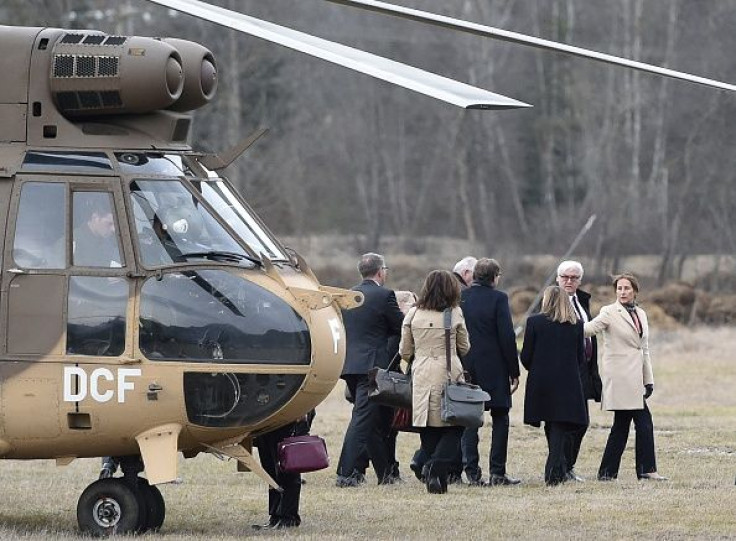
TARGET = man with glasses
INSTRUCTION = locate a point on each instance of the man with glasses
(569, 276)
(368, 329)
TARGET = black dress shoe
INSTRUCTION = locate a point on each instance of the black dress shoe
(345, 482)
(277, 525)
(391, 479)
(652, 477)
(435, 485)
(417, 469)
(454, 478)
(505, 480)
(266, 526)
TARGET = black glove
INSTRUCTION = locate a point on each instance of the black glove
(648, 390)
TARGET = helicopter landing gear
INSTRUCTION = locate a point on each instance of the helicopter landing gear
(107, 507)
(121, 505)
(154, 505)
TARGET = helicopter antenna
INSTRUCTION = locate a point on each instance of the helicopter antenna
(523, 39)
(218, 162)
(424, 82)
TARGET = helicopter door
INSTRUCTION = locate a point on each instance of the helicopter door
(34, 269)
(65, 270)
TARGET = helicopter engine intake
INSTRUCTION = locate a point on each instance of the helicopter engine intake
(200, 75)
(96, 74)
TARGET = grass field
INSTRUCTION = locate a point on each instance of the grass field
(694, 409)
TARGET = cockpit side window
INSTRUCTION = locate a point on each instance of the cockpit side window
(95, 233)
(40, 231)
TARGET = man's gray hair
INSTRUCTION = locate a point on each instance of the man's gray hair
(466, 263)
(570, 264)
(370, 264)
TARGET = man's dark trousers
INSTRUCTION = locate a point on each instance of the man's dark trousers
(499, 445)
(363, 433)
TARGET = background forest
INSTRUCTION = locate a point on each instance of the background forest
(346, 154)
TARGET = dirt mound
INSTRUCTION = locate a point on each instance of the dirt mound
(520, 298)
(721, 310)
(658, 318)
(675, 304)
(679, 300)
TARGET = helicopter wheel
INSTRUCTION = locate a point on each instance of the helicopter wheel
(153, 502)
(109, 506)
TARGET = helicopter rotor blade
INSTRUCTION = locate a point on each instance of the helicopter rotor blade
(421, 81)
(523, 39)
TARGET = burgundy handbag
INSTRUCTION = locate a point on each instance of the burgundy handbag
(402, 421)
(302, 454)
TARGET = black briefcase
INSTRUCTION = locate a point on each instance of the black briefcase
(390, 388)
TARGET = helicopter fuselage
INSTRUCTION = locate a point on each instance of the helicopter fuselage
(144, 308)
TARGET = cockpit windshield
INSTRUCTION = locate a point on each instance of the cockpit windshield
(173, 226)
(217, 193)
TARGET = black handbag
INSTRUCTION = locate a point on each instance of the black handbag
(390, 388)
(462, 403)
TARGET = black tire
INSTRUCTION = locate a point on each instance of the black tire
(108, 507)
(141, 496)
(155, 505)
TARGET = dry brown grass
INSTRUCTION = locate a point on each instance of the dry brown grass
(694, 408)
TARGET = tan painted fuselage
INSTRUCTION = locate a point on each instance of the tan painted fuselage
(199, 350)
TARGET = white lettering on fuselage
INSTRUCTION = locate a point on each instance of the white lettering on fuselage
(100, 383)
(335, 330)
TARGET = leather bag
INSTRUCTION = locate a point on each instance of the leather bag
(462, 403)
(302, 454)
(402, 421)
(390, 388)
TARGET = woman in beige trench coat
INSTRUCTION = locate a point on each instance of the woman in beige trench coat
(423, 335)
(626, 373)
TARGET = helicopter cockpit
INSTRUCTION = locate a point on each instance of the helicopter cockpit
(190, 238)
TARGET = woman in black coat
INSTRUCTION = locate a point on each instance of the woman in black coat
(553, 350)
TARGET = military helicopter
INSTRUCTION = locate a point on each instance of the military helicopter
(145, 309)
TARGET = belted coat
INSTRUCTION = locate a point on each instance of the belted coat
(423, 335)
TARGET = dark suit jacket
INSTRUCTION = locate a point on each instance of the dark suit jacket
(552, 354)
(589, 374)
(492, 359)
(368, 328)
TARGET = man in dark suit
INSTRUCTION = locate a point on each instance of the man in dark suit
(492, 363)
(367, 330)
(569, 276)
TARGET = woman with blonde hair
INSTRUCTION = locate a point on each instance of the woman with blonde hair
(552, 352)
(423, 336)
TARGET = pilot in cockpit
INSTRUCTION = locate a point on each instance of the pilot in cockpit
(94, 241)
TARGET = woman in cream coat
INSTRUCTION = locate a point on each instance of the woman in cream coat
(423, 335)
(626, 372)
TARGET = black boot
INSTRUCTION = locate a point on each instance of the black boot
(434, 485)
(436, 480)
